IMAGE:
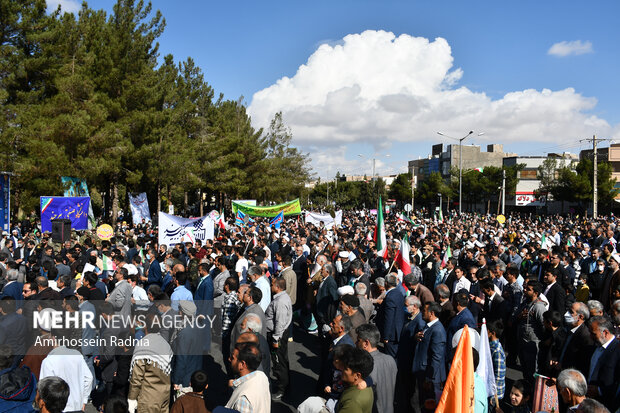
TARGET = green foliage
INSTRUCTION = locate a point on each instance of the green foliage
(400, 189)
(83, 95)
(428, 190)
(348, 195)
(576, 185)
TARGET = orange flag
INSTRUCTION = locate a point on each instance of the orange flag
(458, 393)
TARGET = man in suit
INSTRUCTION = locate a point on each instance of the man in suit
(357, 274)
(339, 329)
(153, 274)
(579, 345)
(250, 297)
(554, 291)
(605, 362)
(442, 296)
(429, 366)
(450, 274)
(13, 288)
(463, 317)
(203, 298)
(413, 282)
(326, 297)
(494, 306)
(405, 386)
(390, 315)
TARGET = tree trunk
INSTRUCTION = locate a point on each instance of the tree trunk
(169, 197)
(488, 205)
(185, 204)
(201, 203)
(114, 203)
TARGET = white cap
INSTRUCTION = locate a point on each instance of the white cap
(347, 289)
(473, 334)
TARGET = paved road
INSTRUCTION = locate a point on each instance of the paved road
(305, 362)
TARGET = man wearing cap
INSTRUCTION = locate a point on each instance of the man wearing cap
(349, 306)
(285, 248)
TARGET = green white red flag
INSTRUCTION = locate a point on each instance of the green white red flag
(402, 259)
(382, 248)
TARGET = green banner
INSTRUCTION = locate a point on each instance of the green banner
(289, 208)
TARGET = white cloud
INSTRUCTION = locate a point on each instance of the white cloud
(378, 89)
(576, 47)
(66, 6)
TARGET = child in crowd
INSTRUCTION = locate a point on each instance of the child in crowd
(519, 398)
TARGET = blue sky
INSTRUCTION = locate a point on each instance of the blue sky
(339, 108)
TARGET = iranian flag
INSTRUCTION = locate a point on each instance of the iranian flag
(402, 259)
(403, 218)
(254, 241)
(221, 222)
(446, 256)
(108, 264)
(379, 237)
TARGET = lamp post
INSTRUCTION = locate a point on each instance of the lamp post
(374, 159)
(460, 164)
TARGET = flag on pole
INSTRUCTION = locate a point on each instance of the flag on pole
(480, 169)
(485, 366)
(458, 392)
(277, 220)
(403, 218)
(441, 215)
(403, 256)
(221, 221)
(108, 264)
(254, 241)
(446, 256)
(240, 218)
(382, 249)
(569, 243)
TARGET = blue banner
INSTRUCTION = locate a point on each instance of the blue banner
(77, 187)
(58, 207)
(5, 202)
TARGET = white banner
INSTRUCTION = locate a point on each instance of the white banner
(173, 229)
(326, 219)
(139, 208)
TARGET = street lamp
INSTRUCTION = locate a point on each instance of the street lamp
(373, 162)
(460, 163)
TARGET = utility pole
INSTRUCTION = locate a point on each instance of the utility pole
(594, 185)
(594, 140)
(503, 191)
(412, 191)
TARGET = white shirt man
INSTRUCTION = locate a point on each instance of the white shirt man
(70, 366)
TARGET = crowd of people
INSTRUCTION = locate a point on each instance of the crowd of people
(547, 289)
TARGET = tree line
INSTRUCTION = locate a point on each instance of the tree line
(88, 96)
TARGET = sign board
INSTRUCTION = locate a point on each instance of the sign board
(173, 229)
(408, 208)
(63, 207)
(529, 199)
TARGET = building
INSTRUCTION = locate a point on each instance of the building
(610, 154)
(388, 179)
(443, 161)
